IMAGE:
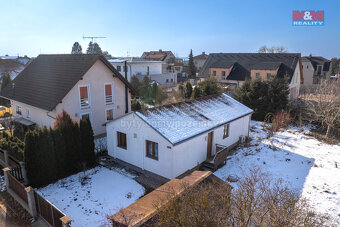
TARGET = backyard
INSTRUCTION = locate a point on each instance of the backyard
(89, 197)
(305, 164)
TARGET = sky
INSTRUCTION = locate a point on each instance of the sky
(134, 26)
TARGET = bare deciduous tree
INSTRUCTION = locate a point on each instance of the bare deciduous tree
(323, 105)
(256, 201)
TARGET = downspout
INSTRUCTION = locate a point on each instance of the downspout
(126, 90)
(47, 113)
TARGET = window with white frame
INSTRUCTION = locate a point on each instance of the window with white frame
(108, 93)
(119, 68)
(18, 110)
(109, 114)
(28, 113)
(84, 97)
(86, 115)
(223, 75)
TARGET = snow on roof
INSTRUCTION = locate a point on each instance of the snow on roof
(180, 121)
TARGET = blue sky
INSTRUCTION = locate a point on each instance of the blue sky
(134, 26)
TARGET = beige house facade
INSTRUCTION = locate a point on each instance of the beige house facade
(99, 94)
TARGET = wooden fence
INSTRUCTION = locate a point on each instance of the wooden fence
(17, 187)
(48, 212)
(32, 202)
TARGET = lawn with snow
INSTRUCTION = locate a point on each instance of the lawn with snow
(304, 163)
(104, 193)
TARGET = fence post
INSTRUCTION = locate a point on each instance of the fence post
(31, 201)
(24, 173)
(66, 221)
(6, 171)
(6, 157)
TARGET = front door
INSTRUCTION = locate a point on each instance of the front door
(209, 147)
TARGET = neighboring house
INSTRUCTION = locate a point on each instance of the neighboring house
(235, 68)
(139, 66)
(171, 139)
(11, 66)
(84, 85)
(159, 70)
(199, 61)
(160, 55)
(315, 68)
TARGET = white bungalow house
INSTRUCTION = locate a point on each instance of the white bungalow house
(171, 139)
(85, 85)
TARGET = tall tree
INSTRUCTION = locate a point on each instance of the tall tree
(264, 97)
(76, 48)
(93, 48)
(188, 90)
(192, 68)
(107, 55)
(135, 83)
(335, 65)
(272, 49)
(5, 80)
(87, 142)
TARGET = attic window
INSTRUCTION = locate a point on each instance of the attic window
(119, 68)
(84, 97)
(108, 94)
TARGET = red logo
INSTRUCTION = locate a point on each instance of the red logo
(308, 15)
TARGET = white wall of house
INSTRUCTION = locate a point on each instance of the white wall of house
(308, 72)
(172, 160)
(39, 116)
(137, 131)
(188, 154)
(95, 78)
(139, 68)
(294, 86)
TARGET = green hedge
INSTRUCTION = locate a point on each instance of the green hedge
(52, 154)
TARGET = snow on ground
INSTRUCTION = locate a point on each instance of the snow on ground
(105, 193)
(307, 165)
(2, 184)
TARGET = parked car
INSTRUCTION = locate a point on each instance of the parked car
(5, 111)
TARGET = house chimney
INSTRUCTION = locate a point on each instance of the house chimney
(203, 53)
(160, 50)
(310, 55)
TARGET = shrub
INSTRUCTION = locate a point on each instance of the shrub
(13, 145)
(264, 97)
(281, 119)
(135, 105)
(256, 201)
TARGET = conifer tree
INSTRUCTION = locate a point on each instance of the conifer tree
(76, 48)
(87, 142)
(192, 67)
(5, 80)
(188, 90)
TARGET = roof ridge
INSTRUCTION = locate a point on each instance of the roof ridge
(181, 102)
